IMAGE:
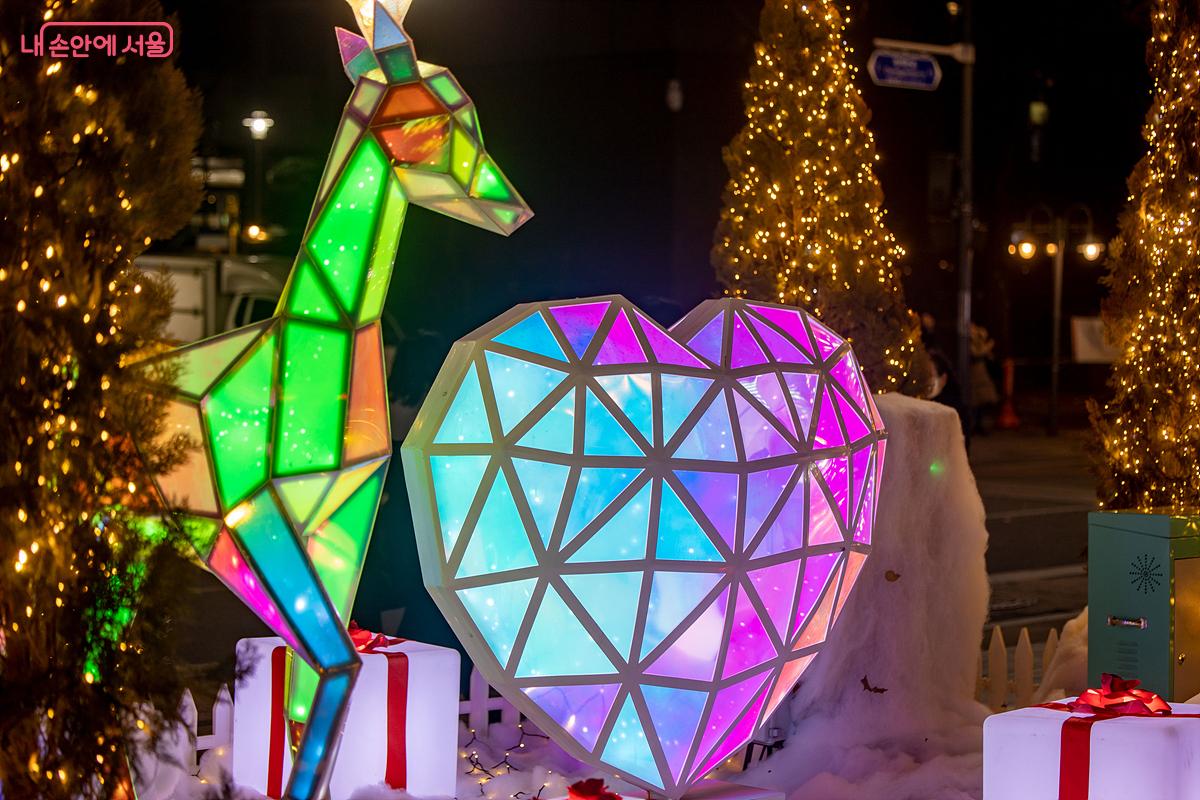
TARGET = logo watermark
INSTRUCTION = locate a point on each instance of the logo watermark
(85, 39)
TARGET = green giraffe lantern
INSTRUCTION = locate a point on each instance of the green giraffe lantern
(292, 413)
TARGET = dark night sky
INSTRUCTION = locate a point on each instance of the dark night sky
(571, 95)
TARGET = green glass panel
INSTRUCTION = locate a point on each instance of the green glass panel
(466, 422)
(201, 363)
(446, 88)
(343, 144)
(361, 64)
(313, 373)
(469, 120)
(301, 495)
(366, 96)
(399, 64)
(490, 183)
(505, 215)
(463, 152)
(201, 532)
(382, 259)
(456, 479)
(307, 297)
(339, 547)
(238, 413)
(302, 690)
(632, 393)
(341, 240)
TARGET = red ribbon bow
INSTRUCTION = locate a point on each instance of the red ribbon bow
(1119, 697)
(366, 641)
(590, 789)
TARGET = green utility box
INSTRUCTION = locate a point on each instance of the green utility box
(1144, 600)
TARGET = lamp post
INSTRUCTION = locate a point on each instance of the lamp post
(1054, 232)
(259, 123)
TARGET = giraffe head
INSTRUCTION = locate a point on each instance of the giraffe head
(424, 122)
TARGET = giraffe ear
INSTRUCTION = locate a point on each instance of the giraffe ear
(357, 57)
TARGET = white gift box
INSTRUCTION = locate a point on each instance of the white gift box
(1131, 757)
(262, 759)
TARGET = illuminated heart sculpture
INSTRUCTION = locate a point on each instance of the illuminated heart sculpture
(643, 537)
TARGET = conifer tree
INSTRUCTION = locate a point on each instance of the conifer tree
(1149, 430)
(803, 221)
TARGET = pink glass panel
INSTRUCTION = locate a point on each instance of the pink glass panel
(776, 587)
(621, 346)
(579, 323)
(788, 320)
(803, 390)
(836, 473)
(829, 433)
(787, 531)
(862, 530)
(727, 706)
(694, 653)
(666, 349)
(717, 495)
(854, 565)
(763, 490)
(736, 737)
(861, 461)
(845, 372)
(767, 389)
(367, 434)
(827, 341)
(818, 621)
(791, 673)
(760, 438)
(745, 351)
(708, 341)
(227, 563)
(817, 570)
(676, 714)
(580, 710)
(749, 642)
(855, 427)
(822, 524)
(779, 346)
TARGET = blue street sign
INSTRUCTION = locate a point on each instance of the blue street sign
(905, 70)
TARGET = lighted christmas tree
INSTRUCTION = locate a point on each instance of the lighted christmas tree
(94, 163)
(1149, 431)
(803, 221)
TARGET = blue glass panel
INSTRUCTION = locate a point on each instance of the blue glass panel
(534, 335)
(318, 731)
(679, 535)
(499, 542)
(712, 438)
(627, 748)
(632, 393)
(556, 430)
(455, 482)
(598, 486)
(676, 715)
(623, 538)
(543, 484)
(560, 645)
(497, 611)
(673, 595)
(611, 598)
(602, 434)
(387, 32)
(709, 340)
(519, 386)
(679, 397)
(466, 421)
(717, 495)
(581, 710)
(762, 492)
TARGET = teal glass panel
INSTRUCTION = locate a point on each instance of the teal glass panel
(717, 495)
(711, 338)
(579, 323)
(543, 484)
(399, 64)
(319, 732)
(556, 430)
(602, 434)
(466, 422)
(632, 395)
(314, 371)
(627, 748)
(712, 438)
(611, 599)
(387, 239)
(519, 386)
(341, 241)
(680, 395)
(456, 481)
(532, 334)
(558, 644)
(680, 537)
(499, 542)
(580, 710)
(675, 714)
(622, 538)
(238, 412)
(763, 490)
(598, 486)
(673, 596)
(498, 610)
(269, 543)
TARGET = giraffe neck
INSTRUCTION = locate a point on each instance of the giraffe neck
(345, 262)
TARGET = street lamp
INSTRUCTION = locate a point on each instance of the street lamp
(259, 123)
(1054, 229)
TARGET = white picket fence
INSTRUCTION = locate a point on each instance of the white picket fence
(1004, 685)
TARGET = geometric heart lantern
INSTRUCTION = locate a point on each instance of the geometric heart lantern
(642, 537)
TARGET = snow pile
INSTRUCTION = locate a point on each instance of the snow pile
(1067, 673)
(887, 709)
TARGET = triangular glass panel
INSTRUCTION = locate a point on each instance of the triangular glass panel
(597, 488)
(466, 422)
(709, 341)
(835, 472)
(763, 490)
(343, 145)
(349, 44)
(556, 430)
(602, 434)
(788, 320)
(301, 495)
(675, 714)
(739, 733)
(189, 486)
(387, 32)
(621, 345)
(787, 531)
(680, 537)
(622, 538)
(817, 573)
(200, 364)
(822, 520)
(519, 386)
(694, 654)
(238, 412)
(829, 430)
(782, 349)
(768, 390)
(673, 596)
(680, 395)
(866, 515)
(854, 565)
(345, 483)
(816, 627)
(760, 438)
(490, 184)
(611, 599)
(338, 549)
(788, 676)
(307, 297)
(727, 708)
(827, 341)
(628, 749)
(498, 610)
(745, 352)
(856, 428)
(749, 642)
(712, 437)
(559, 644)
(543, 483)
(579, 323)
(228, 564)
(499, 542)
(632, 394)
(845, 372)
(776, 587)
(666, 350)
(368, 431)
(456, 481)
(861, 467)
(532, 335)
(580, 710)
(803, 390)
(468, 119)
(717, 495)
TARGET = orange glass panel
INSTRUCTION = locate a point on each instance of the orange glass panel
(367, 432)
(188, 487)
(423, 142)
(408, 102)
